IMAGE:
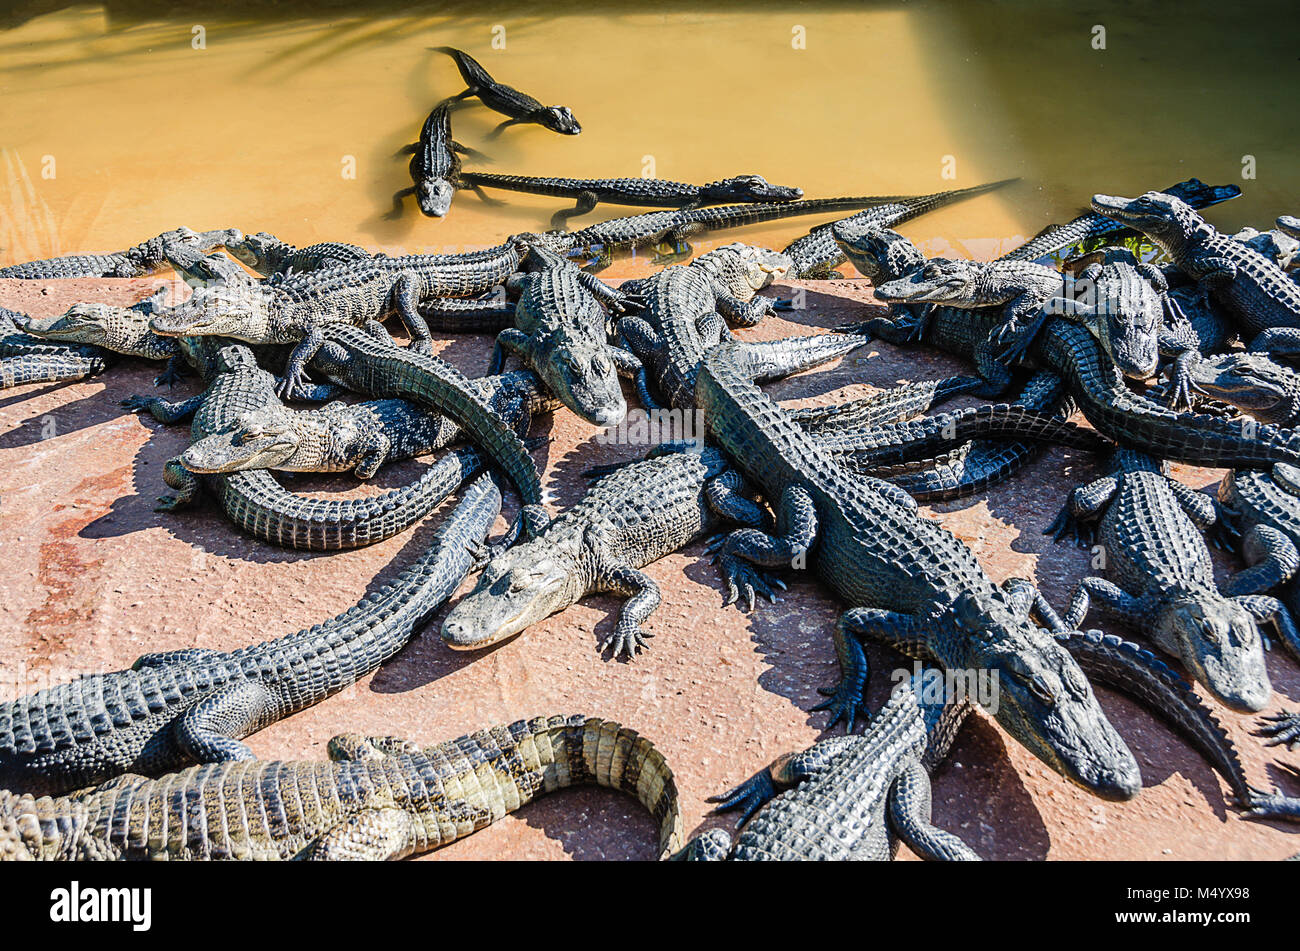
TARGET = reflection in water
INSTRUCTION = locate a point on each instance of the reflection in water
(286, 118)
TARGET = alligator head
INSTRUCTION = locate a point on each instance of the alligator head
(1199, 195)
(1126, 318)
(747, 188)
(745, 270)
(557, 119)
(518, 588)
(120, 329)
(1045, 702)
(575, 365)
(239, 311)
(879, 254)
(1219, 643)
(1289, 225)
(265, 438)
(1161, 217)
(940, 281)
(263, 252)
(1251, 382)
(434, 196)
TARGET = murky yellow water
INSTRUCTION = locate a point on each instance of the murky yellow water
(115, 127)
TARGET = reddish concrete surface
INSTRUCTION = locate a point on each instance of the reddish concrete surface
(94, 577)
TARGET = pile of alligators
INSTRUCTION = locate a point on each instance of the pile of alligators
(1175, 343)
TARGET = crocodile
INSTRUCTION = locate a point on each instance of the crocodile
(1092, 226)
(1255, 292)
(377, 797)
(144, 259)
(300, 307)
(1150, 526)
(1251, 382)
(1093, 380)
(908, 581)
(647, 192)
(267, 254)
(851, 797)
(519, 107)
(818, 253)
(434, 167)
(194, 705)
(636, 514)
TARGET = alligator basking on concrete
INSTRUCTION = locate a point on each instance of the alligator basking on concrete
(816, 255)
(1250, 382)
(646, 192)
(434, 167)
(27, 359)
(1149, 527)
(376, 798)
(267, 255)
(1257, 294)
(909, 583)
(299, 308)
(1093, 226)
(520, 107)
(1276, 245)
(194, 705)
(851, 797)
(145, 258)
(638, 513)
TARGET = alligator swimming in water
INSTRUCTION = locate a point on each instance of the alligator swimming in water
(520, 107)
(376, 798)
(434, 167)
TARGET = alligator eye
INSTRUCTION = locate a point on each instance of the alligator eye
(1209, 632)
(1040, 690)
(600, 363)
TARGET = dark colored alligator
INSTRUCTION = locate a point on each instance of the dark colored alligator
(434, 167)
(818, 253)
(145, 258)
(560, 332)
(638, 513)
(848, 797)
(1094, 226)
(300, 307)
(267, 254)
(188, 706)
(1254, 291)
(1122, 301)
(646, 192)
(376, 798)
(1251, 382)
(909, 583)
(1149, 527)
(520, 107)
(1092, 378)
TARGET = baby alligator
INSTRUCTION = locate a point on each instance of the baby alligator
(507, 100)
(377, 798)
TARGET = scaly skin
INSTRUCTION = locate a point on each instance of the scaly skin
(1254, 290)
(434, 167)
(507, 100)
(173, 709)
(1278, 246)
(267, 254)
(848, 797)
(1122, 301)
(1092, 226)
(1150, 528)
(377, 798)
(909, 582)
(639, 513)
(817, 254)
(1251, 382)
(143, 259)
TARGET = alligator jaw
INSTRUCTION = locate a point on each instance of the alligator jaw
(229, 452)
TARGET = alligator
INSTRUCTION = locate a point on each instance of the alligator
(1255, 292)
(851, 797)
(194, 705)
(268, 255)
(1093, 227)
(435, 167)
(1149, 526)
(1250, 382)
(1278, 246)
(1093, 379)
(1289, 225)
(638, 513)
(518, 106)
(560, 332)
(144, 259)
(377, 797)
(300, 307)
(27, 359)
(646, 192)
(909, 582)
(818, 253)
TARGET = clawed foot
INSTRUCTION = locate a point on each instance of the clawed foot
(844, 703)
(628, 640)
(1263, 804)
(168, 378)
(748, 797)
(744, 581)
(1065, 525)
(1013, 341)
(627, 304)
(139, 404)
(421, 346)
(167, 503)
(293, 385)
(1281, 728)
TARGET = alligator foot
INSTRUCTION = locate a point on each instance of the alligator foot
(1263, 804)
(748, 797)
(628, 640)
(294, 385)
(169, 377)
(1065, 525)
(1281, 728)
(845, 702)
(745, 581)
(168, 503)
(422, 346)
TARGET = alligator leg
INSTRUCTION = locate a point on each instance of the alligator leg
(502, 127)
(991, 369)
(294, 385)
(1111, 598)
(1281, 728)
(1268, 610)
(163, 410)
(207, 730)
(786, 772)
(405, 300)
(1277, 342)
(511, 340)
(726, 495)
(374, 452)
(797, 523)
(845, 700)
(909, 815)
(172, 373)
(746, 313)
(397, 202)
(185, 483)
(371, 836)
(1078, 513)
(1272, 558)
(642, 594)
(1198, 506)
(586, 201)
(1016, 332)
(1025, 599)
